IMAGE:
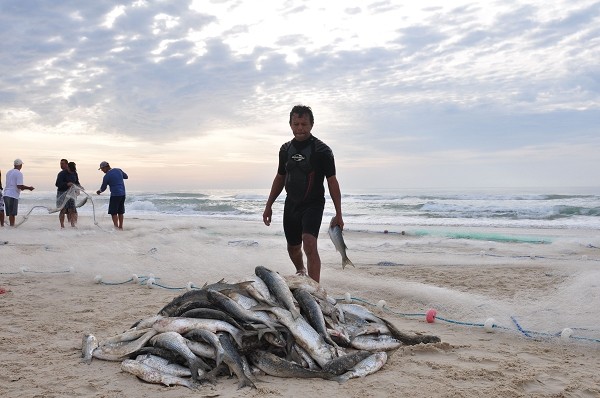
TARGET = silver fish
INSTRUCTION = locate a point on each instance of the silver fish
(152, 375)
(273, 365)
(313, 313)
(367, 366)
(121, 350)
(305, 336)
(184, 325)
(163, 365)
(89, 344)
(361, 312)
(238, 311)
(279, 288)
(384, 342)
(337, 237)
(301, 282)
(175, 342)
(233, 359)
(208, 337)
(344, 363)
(129, 335)
(259, 290)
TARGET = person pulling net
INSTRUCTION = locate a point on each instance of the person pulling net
(66, 202)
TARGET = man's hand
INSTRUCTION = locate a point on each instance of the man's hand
(267, 216)
(98, 192)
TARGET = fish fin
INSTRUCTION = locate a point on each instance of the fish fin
(295, 313)
(246, 382)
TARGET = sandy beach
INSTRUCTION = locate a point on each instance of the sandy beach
(533, 291)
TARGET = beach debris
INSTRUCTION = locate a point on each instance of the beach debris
(281, 326)
(337, 237)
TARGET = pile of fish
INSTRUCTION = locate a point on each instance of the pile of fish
(282, 326)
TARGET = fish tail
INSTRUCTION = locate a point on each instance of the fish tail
(346, 261)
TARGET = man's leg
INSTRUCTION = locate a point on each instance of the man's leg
(11, 220)
(312, 256)
(295, 253)
(61, 217)
(120, 216)
(115, 220)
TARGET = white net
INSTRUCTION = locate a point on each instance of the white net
(73, 198)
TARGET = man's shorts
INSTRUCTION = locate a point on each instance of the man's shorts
(116, 205)
(11, 206)
(1, 201)
(298, 220)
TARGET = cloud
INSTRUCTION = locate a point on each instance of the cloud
(382, 77)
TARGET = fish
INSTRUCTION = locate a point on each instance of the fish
(211, 313)
(88, 345)
(129, 335)
(315, 288)
(360, 312)
(198, 297)
(259, 290)
(276, 366)
(383, 342)
(163, 365)
(152, 375)
(121, 350)
(208, 337)
(184, 325)
(175, 342)
(313, 313)
(238, 311)
(279, 288)
(341, 365)
(234, 361)
(367, 366)
(305, 336)
(337, 237)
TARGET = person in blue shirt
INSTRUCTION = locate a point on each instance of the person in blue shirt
(114, 179)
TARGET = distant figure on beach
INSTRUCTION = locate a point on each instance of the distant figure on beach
(1, 202)
(70, 207)
(61, 189)
(114, 179)
(304, 163)
(14, 186)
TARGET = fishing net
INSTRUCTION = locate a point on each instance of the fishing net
(74, 197)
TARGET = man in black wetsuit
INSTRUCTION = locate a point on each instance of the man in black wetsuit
(304, 163)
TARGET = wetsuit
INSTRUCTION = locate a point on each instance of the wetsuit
(305, 165)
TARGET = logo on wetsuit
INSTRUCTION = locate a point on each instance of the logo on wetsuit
(300, 174)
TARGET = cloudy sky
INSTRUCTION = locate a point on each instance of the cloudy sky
(408, 94)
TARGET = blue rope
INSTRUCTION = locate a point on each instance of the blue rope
(527, 333)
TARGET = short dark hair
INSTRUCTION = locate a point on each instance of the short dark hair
(302, 110)
(64, 160)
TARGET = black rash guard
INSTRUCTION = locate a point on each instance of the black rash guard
(305, 165)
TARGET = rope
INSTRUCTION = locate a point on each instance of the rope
(526, 333)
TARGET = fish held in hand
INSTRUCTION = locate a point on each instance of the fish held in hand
(337, 237)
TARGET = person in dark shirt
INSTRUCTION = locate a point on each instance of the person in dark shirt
(61, 189)
(304, 164)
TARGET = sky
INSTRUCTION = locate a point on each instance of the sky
(193, 95)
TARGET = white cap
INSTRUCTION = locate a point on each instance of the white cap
(18, 162)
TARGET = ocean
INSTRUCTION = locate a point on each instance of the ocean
(391, 209)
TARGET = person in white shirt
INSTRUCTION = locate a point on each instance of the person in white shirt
(12, 191)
